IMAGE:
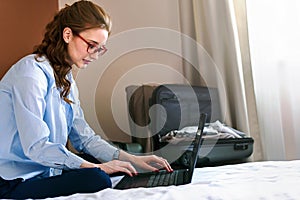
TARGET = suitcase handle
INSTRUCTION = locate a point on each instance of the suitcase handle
(241, 147)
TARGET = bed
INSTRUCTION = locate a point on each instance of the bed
(253, 180)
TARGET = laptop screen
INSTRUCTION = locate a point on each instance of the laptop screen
(196, 146)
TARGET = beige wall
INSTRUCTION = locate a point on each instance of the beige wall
(22, 24)
(102, 85)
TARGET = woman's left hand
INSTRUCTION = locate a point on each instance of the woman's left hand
(148, 162)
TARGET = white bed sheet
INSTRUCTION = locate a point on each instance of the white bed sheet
(254, 180)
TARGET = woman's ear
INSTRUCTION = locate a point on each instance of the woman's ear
(67, 34)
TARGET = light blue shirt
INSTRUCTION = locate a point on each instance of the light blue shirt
(35, 124)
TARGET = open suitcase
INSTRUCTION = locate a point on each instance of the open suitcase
(175, 107)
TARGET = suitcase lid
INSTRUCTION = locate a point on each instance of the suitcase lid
(180, 105)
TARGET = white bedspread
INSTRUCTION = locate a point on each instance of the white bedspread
(255, 180)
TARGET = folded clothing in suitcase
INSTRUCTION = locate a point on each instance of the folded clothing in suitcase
(221, 145)
(176, 106)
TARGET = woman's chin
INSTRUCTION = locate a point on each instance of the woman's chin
(84, 66)
(81, 66)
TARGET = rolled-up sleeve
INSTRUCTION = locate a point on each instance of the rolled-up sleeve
(83, 137)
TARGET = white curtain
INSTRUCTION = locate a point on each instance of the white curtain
(255, 45)
(274, 38)
(221, 30)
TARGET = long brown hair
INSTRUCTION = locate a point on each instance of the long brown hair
(80, 16)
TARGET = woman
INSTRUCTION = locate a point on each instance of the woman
(40, 111)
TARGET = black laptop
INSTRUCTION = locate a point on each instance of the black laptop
(164, 178)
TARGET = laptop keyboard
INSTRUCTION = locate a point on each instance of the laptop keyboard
(163, 179)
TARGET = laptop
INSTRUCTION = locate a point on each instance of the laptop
(164, 178)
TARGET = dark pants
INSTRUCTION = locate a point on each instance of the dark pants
(86, 180)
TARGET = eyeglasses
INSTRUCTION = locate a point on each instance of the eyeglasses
(91, 49)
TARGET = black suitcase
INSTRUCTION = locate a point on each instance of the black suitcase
(175, 106)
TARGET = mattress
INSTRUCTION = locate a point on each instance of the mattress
(253, 180)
